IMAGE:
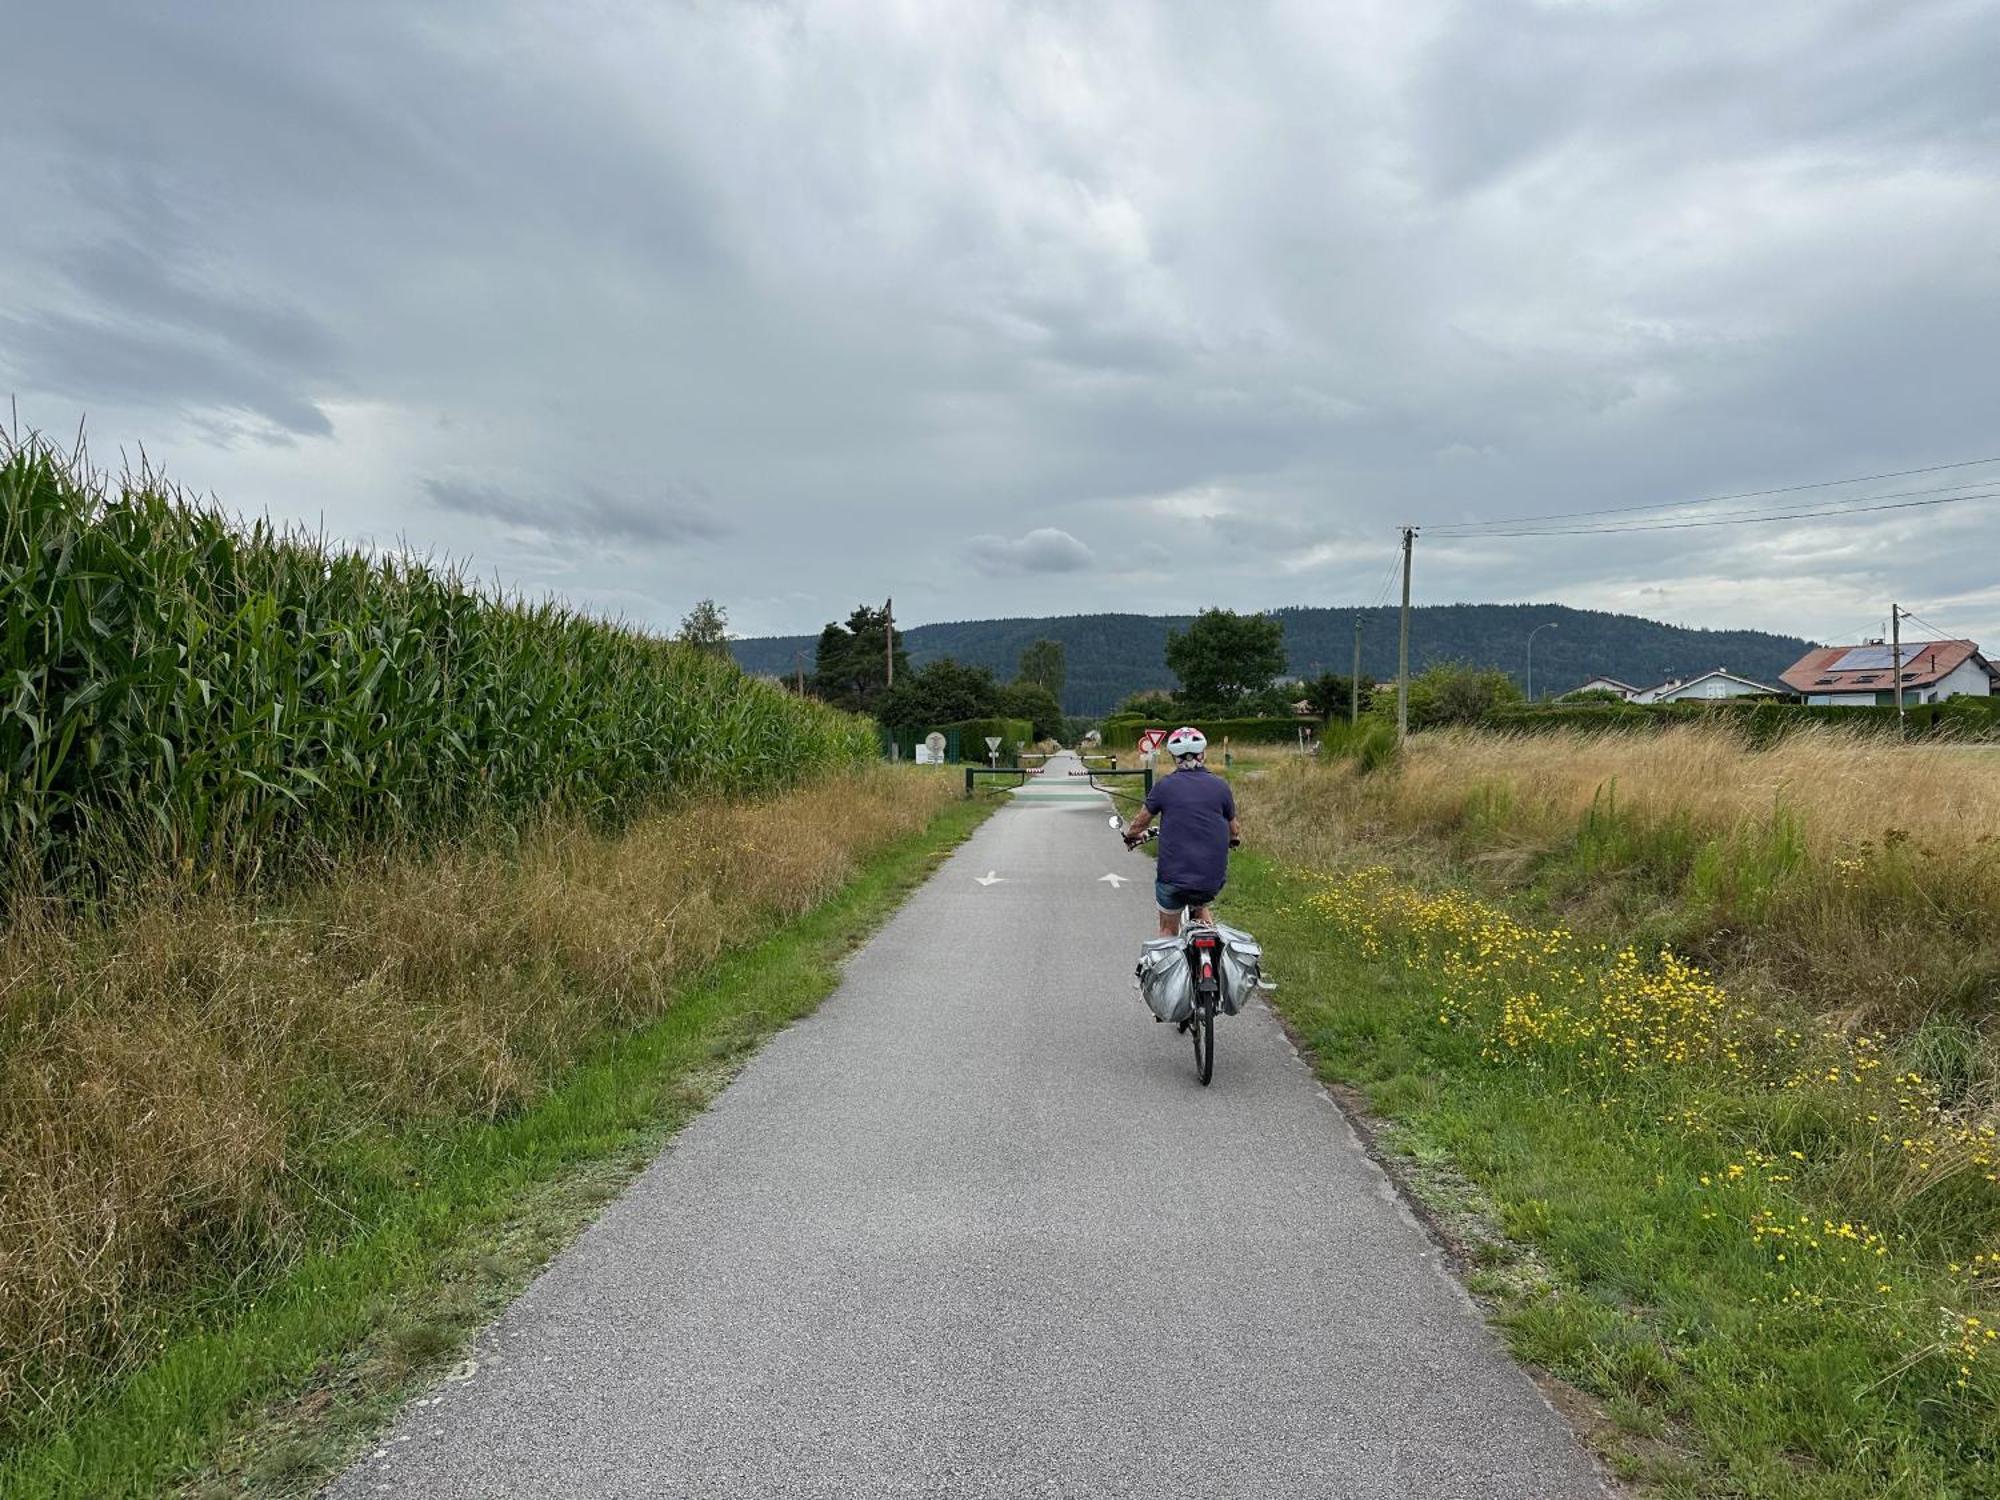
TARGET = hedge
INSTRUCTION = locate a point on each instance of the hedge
(1015, 735)
(1761, 721)
(965, 739)
(1123, 730)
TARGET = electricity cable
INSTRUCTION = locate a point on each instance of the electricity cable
(1476, 528)
(1741, 520)
(1790, 489)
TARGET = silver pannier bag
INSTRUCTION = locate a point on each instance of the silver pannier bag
(1242, 968)
(1164, 978)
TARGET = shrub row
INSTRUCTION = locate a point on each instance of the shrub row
(1123, 730)
(1762, 722)
(186, 693)
(966, 739)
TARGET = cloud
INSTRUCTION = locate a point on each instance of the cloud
(137, 323)
(869, 271)
(588, 514)
(1043, 550)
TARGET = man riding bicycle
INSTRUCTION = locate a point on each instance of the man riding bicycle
(1197, 831)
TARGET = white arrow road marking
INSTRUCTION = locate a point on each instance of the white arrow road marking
(989, 878)
(1115, 880)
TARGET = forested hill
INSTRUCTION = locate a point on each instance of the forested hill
(1112, 655)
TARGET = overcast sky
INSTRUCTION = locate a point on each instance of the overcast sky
(1035, 308)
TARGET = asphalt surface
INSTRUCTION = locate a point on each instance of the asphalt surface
(973, 1229)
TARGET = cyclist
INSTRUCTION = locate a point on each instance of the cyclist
(1198, 830)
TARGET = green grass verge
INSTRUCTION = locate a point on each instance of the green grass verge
(268, 1396)
(1718, 1367)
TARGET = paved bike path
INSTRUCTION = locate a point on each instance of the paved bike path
(973, 1229)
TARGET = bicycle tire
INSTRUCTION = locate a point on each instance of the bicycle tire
(1204, 1044)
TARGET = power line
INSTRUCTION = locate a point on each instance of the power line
(1789, 489)
(1740, 520)
(1478, 528)
(1388, 582)
(1944, 632)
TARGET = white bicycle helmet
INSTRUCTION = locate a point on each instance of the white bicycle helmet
(1187, 741)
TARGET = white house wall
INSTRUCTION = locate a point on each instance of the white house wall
(1714, 687)
(1602, 684)
(1968, 677)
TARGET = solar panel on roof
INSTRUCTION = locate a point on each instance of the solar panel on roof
(1878, 658)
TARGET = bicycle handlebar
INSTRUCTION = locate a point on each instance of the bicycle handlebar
(1150, 834)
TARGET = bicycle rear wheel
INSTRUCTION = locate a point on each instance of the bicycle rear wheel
(1203, 1027)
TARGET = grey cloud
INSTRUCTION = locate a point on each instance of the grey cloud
(141, 320)
(587, 513)
(1046, 549)
(872, 271)
(94, 361)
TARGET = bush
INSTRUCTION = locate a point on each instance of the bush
(1015, 735)
(1759, 720)
(1370, 744)
(1449, 693)
(1123, 733)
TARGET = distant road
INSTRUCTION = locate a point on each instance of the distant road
(974, 1230)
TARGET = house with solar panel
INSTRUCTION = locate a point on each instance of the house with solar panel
(1865, 676)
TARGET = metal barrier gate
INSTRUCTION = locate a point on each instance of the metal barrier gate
(1020, 776)
(1099, 779)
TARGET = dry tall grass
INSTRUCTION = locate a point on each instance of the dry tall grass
(1860, 875)
(171, 1088)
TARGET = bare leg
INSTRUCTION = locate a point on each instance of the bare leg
(1205, 914)
(1170, 924)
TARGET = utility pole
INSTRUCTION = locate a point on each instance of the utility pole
(1354, 682)
(1896, 659)
(889, 638)
(1403, 645)
(799, 672)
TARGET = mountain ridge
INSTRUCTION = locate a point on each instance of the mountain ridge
(1112, 654)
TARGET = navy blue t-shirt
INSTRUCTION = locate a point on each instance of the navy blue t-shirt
(1195, 807)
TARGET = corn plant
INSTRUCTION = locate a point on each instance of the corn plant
(180, 692)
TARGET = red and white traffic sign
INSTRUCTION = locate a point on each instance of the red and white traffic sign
(1151, 740)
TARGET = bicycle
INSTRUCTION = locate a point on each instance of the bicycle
(1203, 946)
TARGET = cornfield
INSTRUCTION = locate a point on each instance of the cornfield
(229, 703)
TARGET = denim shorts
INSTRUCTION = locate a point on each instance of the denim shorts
(1171, 898)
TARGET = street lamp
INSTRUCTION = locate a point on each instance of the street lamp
(1551, 625)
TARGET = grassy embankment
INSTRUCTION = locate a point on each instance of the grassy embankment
(321, 1169)
(1692, 1045)
(347, 909)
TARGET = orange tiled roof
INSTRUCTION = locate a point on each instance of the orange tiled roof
(1924, 664)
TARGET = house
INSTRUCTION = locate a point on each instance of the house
(1624, 690)
(1865, 675)
(1706, 688)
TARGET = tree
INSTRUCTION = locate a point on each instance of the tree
(1046, 664)
(1451, 692)
(1222, 656)
(1150, 703)
(941, 692)
(1330, 694)
(706, 628)
(1593, 695)
(1036, 704)
(849, 669)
